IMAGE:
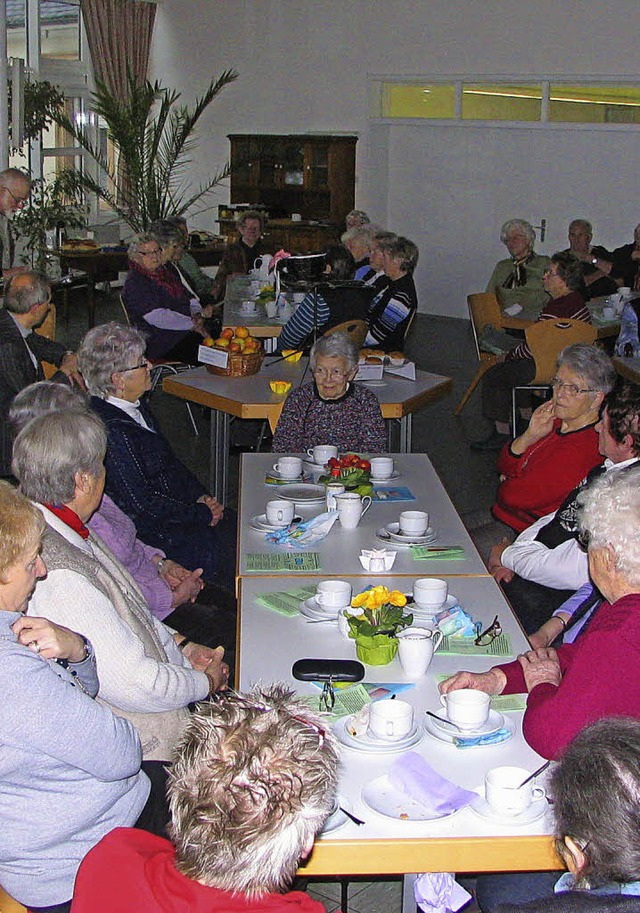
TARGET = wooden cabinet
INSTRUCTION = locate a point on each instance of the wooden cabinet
(283, 234)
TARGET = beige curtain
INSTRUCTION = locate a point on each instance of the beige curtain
(119, 35)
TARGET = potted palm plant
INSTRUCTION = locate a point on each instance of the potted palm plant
(375, 629)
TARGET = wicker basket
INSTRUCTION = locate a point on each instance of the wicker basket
(239, 365)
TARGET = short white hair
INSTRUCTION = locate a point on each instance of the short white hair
(519, 226)
(610, 515)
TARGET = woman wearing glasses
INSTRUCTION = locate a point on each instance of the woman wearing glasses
(331, 409)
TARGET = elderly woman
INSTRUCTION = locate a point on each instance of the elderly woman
(563, 281)
(518, 280)
(170, 508)
(159, 303)
(356, 219)
(332, 409)
(396, 301)
(144, 673)
(327, 307)
(358, 240)
(70, 769)
(238, 258)
(599, 674)
(206, 287)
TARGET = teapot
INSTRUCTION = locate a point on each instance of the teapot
(262, 265)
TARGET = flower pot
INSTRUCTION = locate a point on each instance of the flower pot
(377, 650)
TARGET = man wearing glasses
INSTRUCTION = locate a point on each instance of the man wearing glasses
(15, 187)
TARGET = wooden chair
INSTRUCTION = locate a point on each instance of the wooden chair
(48, 329)
(546, 339)
(484, 309)
(9, 905)
(356, 329)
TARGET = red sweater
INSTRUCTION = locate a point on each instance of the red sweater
(600, 678)
(131, 870)
(538, 481)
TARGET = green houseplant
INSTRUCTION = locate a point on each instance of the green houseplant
(374, 631)
(153, 137)
(49, 205)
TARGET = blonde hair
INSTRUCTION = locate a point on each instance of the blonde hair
(21, 527)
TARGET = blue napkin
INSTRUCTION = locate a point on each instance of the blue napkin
(491, 739)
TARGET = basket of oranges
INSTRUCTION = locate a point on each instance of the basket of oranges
(245, 352)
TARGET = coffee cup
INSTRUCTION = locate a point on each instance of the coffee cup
(333, 594)
(280, 513)
(624, 291)
(466, 708)
(430, 593)
(416, 647)
(248, 307)
(414, 522)
(322, 453)
(351, 507)
(608, 313)
(381, 467)
(333, 489)
(390, 720)
(271, 309)
(504, 794)
(289, 467)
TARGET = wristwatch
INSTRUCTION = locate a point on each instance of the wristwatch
(595, 261)
(88, 651)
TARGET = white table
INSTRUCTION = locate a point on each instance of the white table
(270, 643)
(340, 549)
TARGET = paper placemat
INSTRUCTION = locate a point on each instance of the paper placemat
(286, 603)
(441, 553)
(465, 646)
(392, 494)
(505, 703)
(264, 561)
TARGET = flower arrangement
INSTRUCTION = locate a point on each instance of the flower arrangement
(374, 629)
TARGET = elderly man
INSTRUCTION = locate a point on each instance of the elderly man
(27, 300)
(239, 258)
(253, 779)
(15, 187)
(595, 261)
(625, 263)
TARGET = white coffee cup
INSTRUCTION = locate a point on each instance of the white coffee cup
(333, 489)
(504, 794)
(381, 467)
(608, 313)
(322, 453)
(390, 720)
(467, 708)
(416, 647)
(351, 507)
(248, 307)
(289, 467)
(430, 593)
(271, 309)
(280, 513)
(625, 291)
(333, 594)
(413, 522)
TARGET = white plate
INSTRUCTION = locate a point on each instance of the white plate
(311, 609)
(394, 475)
(338, 819)
(389, 533)
(536, 810)
(494, 722)
(303, 493)
(261, 524)
(441, 736)
(375, 746)
(315, 467)
(276, 475)
(383, 797)
(429, 614)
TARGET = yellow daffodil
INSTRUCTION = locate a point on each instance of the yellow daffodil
(397, 598)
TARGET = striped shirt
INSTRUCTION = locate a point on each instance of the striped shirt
(567, 307)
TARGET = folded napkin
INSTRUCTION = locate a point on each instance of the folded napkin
(438, 892)
(493, 738)
(455, 622)
(377, 560)
(415, 778)
(304, 535)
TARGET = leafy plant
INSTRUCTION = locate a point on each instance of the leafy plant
(154, 138)
(48, 206)
(382, 612)
(42, 101)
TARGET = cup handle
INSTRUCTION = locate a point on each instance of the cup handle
(366, 507)
(538, 793)
(443, 700)
(319, 599)
(310, 452)
(436, 638)
(276, 467)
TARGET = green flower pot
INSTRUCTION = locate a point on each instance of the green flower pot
(377, 650)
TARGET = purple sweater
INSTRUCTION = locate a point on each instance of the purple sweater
(119, 533)
(351, 423)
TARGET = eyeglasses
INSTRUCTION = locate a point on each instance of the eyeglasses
(143, 364)
(150, 253)
(19, 201)
(570, 389)
(483, 638)
(334, 374)
(328, 696)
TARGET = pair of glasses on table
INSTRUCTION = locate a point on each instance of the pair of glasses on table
(484, 638)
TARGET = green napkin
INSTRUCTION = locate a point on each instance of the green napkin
(454, 553)
(309, 561)
(348, 701)
(505, 703)
(286, 603)
(465, 646)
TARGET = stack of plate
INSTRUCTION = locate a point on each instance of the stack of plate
(262, 525)
(446, 732)
(428, 615)
(391, 533)
(370, 745)
(312, 609)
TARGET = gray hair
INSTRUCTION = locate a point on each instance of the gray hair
(41, 399)
(401, 249)
(250, 214)
(583, 223)
(166, 232)
(134, 245)
(591, 363)
(520, 227)
(610, 515)
(252, 781)
(24, 290)
(357, 217)
(361, 234)
(335, 345)
(50, 451)
(104, 351)
(11, 176)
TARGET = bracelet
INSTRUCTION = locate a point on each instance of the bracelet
(562, 622)
(160, 565)
(183, 644)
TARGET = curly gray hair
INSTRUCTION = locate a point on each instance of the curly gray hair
(134, 245)
(104, 351)
(335, 345)
(609, 515)
(520, 227)
(592, 364)
(43, 398)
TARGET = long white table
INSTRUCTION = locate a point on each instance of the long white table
(340, 549)
(270, 643)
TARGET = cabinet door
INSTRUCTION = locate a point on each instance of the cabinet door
(316, 166)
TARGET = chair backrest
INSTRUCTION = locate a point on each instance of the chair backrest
(355, 329)
(125, 312)
(9, 905)
(409, 325)
(48, 329)
(547, 338)
(484, 309)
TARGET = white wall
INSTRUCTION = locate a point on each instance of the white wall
(303, 67)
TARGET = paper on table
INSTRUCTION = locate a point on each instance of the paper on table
(443, 553)
(505, 703)
(308, 561)
(348, 700)
(408, 370)
(465, 646)
(286, 603)
(392, 494)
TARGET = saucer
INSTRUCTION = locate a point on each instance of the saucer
(426, 614)
(536, 810)
(441, 736)
(262, 525)
(386, 799)
(390, 532)
(316, 467)
(394, 475)
(311, 608)
(303, 493)
(337, 819)
(367, 745)
(278, 475)
(494, 722)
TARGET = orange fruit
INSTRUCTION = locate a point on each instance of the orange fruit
(242, 332)
(221, 342)
(234, 347)
(227, 333)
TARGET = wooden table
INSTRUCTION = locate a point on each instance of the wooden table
(606, 328)
(251, 397)
(629, 368)
(270, 643)
(339, 551)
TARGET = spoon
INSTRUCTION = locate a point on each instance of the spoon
(442, 720)
(353, 818)
(532, 776)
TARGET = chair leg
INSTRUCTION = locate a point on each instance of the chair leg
(193, 421)
(261, 436)
(344, 894)
(482, 370)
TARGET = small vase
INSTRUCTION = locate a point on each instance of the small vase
(377, 650)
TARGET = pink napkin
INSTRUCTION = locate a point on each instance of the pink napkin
(415, 778)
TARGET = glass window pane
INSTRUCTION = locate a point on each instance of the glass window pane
(500, 101)
(54, 137)
(595, 104)
(16, 28)
(432, 101)
(54, 165)
(60, 29)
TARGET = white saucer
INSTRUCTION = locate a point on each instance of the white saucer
(536, 810)
(310, 608)
(386, 799)
(390, 533)
(424, 614)
(338, 819)
(303, 493)
(441, 736)
(262, 525)
(276, 475)
(368, 745)
(394, 475)
(494, 721)
(315, 467)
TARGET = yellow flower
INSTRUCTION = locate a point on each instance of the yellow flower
(360, 600)
(397, 598)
